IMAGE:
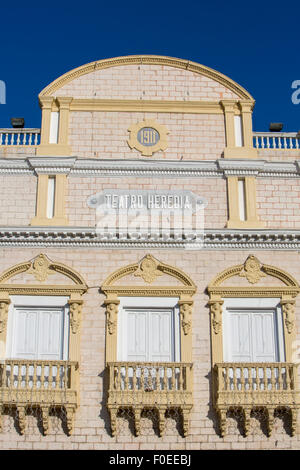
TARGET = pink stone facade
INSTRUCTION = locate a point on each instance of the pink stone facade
(91, 429)
(147, 82)
(102, 136)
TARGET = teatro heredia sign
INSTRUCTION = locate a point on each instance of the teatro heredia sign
(153, 215)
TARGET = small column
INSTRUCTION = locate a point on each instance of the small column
(62, 148)
(244, 109)
(186, 310)
(249, 197)
(46, 103)
(4, 306)
(111, 304)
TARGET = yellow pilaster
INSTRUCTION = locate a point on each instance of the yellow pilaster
(61, 148)
(244, 109)
(252, 219)
(59, 218)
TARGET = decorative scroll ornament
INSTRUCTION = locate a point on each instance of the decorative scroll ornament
(3, 314)
(186, 316)
(148, 269)
(40, 268)
(75, 316)
(252, 270)
(216, 312)
(111, 316)
(288, 309)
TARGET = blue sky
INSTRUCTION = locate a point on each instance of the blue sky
(254, 43)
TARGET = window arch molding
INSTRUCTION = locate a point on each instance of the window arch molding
(254, 288)
(41, 268)
(149, 269)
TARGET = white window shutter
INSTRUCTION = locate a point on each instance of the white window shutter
(137, 337)
(252, 336)
(263, 330)
(240, 337)
(38, 333)
(50, 334)
(25, 342)
(161, 338)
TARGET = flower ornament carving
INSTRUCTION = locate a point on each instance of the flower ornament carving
(40, 268)
(252, 270)
(148, 269)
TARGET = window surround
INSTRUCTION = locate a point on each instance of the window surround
(19, 301)
(220, 296)
(149, 269)
(41, 268)
(151, 303)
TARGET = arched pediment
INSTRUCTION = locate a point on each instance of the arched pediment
(41, 267)
(254, 272)
(187, 65)
(149, 269)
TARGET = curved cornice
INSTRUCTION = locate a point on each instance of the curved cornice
(263, 270)
(49, 266)
(147, 59)
(161, 267)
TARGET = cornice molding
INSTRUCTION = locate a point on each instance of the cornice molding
(75, 166)
(82, 237)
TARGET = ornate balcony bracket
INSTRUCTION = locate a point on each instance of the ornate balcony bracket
(41, 384)
(156, 386)
(256, 386)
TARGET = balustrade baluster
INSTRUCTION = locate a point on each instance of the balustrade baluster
(165, 378)
(134, 378)
(273, 380)
(42, 386)
(173, 378)
(180, 378)
(34, 378)
(288, 377)
(57, 376)
(257, 377)
(157, 385)
(126, 379)
(280, 380)
(265, 378)
(227, 378)
(19, 385)
(234, 381)
(242, 378)
(142, 378)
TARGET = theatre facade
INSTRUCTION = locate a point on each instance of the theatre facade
(150, 269)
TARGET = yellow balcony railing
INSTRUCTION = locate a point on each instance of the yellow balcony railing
(248, 386)
(39, 383)
(153, 385)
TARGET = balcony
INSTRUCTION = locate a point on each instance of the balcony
(277, 142)
(19, 137)
(160, 386)
(260, 386)
(39, 384)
